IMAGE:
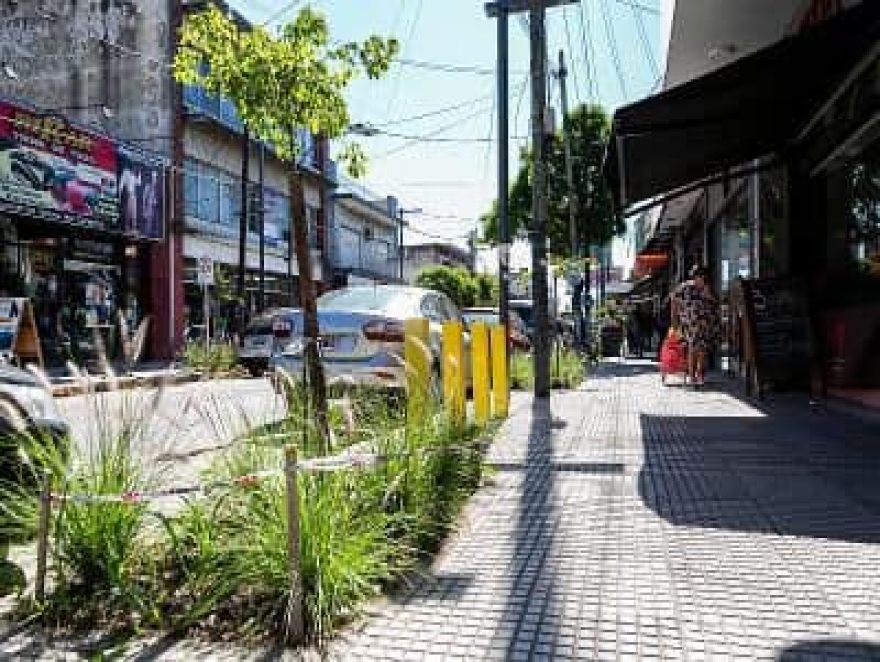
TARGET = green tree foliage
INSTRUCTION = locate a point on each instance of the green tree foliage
(596, 221)
(456, 283)
(280, 81)
(487, 289)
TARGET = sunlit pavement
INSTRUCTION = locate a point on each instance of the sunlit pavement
(636, 521)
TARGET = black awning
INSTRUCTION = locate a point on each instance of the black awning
(751, 108)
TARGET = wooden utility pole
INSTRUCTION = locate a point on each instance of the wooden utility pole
(540, 294)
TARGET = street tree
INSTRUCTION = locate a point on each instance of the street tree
(596, 222)
(456, 283)
(282, 81)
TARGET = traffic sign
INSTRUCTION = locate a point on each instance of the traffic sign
(205, 270)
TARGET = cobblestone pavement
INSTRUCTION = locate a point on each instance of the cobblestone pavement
(632, 521)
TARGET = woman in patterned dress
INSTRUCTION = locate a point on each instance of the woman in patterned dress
(695, 310)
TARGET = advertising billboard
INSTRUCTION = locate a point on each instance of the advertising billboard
(56, 171)
(141, 194)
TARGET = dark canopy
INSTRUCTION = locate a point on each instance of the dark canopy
(751, 108)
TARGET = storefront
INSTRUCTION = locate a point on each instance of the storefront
(77, 213)
(782, 148)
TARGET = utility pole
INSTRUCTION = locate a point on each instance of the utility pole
(242, 234)
(261, 216)
(540, 295)
(503, 171)
(572, 191)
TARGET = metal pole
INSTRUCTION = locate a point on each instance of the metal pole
(261, 215)
(206, 306)
(538, 47)
(503, 170)
(242, 233)
(400, 243)
(572, 190)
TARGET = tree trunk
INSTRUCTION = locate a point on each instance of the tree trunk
(308, 301)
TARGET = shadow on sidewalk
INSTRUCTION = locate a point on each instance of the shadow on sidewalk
(830, 649)
(529, 622)
(782, 470)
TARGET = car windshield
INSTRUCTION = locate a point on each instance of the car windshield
(386, 299)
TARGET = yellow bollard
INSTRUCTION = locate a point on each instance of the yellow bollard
(453, 371)
(480, 365)
(500, 385)
(417, 355)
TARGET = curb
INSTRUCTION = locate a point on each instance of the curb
(104, 384)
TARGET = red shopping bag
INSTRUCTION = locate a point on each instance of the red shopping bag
(673, 354)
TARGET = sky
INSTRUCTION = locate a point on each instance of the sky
(614, 56)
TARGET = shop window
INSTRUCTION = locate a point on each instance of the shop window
(863, 223)
(773, 226)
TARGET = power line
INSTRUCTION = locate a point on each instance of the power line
(433, 113)
(612, 46)
(488, 153)
(419, 140)
(281, 12)
(640, 6)
(446, 67)
(589, 54)
(409, 38)
(643, 38)
(574, 73)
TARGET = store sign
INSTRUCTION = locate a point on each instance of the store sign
(53, 170)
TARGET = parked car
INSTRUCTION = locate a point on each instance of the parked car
(362, 334)
(262, 337)
(27, 409)
(517, 333)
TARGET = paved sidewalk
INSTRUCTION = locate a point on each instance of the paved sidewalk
(640, 522)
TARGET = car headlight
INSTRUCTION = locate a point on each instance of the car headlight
(38, 403)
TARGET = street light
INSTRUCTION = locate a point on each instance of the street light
(400, 213)
(362, 129)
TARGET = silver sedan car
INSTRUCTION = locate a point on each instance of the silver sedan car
(361, 334)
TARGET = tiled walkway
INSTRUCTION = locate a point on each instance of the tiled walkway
(633, 521)
(642, 522)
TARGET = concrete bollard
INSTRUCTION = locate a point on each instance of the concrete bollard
(453, 371)
(481, 373)
(500, 376)
(417, 355)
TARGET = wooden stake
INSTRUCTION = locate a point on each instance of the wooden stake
(43, 536)
(295, 628)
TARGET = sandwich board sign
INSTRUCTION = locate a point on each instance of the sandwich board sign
(19, 338)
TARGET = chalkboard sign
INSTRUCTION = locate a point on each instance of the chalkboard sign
(777, 312)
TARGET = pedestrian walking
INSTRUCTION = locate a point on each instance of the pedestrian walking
(695, 310)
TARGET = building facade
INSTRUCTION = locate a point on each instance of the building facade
(366, 236)
(417, 257)
(775, 169)
(116, 180)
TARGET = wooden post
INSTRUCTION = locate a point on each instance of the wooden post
(294, 628)
(43, 536)
(500, 386)
(480, 364)
(453, 371)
